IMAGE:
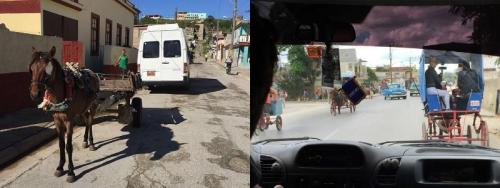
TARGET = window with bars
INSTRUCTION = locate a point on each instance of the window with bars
(109, 26)
(118, 34)
(94, 35)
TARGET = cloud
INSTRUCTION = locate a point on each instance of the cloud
(411, 26)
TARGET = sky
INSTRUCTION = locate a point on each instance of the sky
(216, 8)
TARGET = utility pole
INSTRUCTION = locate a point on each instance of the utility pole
(390, 60)
(411, 71)
(235, 12)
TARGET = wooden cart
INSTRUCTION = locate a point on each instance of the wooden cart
(117, 89)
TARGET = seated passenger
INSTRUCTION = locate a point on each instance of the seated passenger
(433, 84)
(468, 80)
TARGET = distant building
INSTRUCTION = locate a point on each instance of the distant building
(196, 16)
(241, 44)
(154, 16)
(136, 34)
(398, 73)
(182, 15)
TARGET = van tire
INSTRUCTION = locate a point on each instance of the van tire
(187, 82)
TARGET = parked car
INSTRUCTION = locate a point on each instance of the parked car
(394, 90)
(163, 56)
(414, 90)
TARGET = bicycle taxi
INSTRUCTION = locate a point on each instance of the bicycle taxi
(463, 122)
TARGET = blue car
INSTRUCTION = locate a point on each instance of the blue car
(394, 90)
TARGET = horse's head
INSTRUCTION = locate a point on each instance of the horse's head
(41, 70)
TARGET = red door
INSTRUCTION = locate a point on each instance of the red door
(73, 52)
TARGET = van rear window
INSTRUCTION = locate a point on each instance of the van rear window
(172, 48)
(151, 50)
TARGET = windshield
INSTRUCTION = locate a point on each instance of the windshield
(300, 105)
(394, 86)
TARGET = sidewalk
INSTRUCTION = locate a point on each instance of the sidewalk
(22, 131)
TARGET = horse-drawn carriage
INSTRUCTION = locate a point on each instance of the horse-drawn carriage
(463, 121)
(116, 88)
(274, 115)
(340, 100)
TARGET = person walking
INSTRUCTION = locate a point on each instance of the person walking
(229, 62)
(206, 57)
(122, 62)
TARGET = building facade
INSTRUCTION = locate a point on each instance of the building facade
(93, 23)
(183, 15)
(241, 45)
(196, 16)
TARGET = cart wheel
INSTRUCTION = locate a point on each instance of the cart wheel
(485, 141)
(424, 132)
(385, 98)
(404, 98)
(137, 114)
(469, 134)
(279, 123)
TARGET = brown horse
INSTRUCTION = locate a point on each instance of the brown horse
(339, 100)
(48, 75)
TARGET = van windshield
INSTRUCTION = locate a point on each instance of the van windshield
(171, 48)
(151, 49)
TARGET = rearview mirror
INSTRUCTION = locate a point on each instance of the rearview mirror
(305, 33)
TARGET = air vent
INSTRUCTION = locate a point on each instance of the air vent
(271, 171)
(387, 171)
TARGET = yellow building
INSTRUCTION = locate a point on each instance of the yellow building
(94, 23)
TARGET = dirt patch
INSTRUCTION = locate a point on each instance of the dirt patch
(215, 121)
(229, 156)
(177, 157)
(213, 181)
(244, 127)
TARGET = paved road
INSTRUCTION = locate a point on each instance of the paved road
(375, 120)
(195, 138)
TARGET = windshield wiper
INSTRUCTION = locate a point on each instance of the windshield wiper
(285, 139)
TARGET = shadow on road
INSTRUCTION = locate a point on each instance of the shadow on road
(151, 138)
(24, 117)
(197, 86)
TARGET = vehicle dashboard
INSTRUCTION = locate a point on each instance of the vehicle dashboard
(311, 163)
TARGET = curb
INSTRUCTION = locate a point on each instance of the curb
(13, 152)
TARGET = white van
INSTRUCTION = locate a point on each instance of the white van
(163, 56)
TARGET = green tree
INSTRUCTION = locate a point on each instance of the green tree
(210, 23)
(300, 74)
(147, 21)
(372, 77)
(484, 19)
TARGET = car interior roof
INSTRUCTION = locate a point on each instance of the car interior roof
(357, 11)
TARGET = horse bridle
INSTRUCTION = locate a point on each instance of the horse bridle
(43, 82)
